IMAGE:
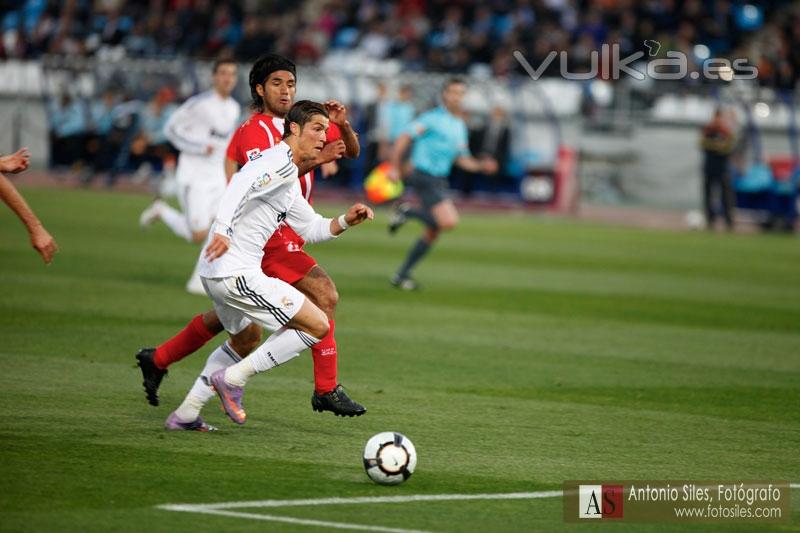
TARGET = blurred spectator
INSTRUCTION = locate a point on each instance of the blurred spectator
(195, 27)
(125, 127)
(393, 118)
(373, 124)
(68, 128)
(99, 149)
(386, 119)
(491, 139)
(223, 31)
(150, 148)
(139, 43)
(375, 43)
(255, 39)
(717, 142)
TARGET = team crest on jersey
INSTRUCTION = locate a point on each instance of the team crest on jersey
(253, 154)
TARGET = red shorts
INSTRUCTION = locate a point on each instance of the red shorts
(284, 257)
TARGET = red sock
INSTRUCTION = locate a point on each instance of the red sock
(325, 357)
(187, 341)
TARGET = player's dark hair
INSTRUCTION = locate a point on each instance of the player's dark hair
(222, 61)
(453, 81)
(262, 68)
(301, 113)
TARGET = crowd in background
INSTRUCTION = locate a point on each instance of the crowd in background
(117, 134)
(436, 35)
(112, 135)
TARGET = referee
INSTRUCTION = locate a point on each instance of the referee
(438, 140)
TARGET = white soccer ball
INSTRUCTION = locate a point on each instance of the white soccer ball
(389, 458)
(695, 219)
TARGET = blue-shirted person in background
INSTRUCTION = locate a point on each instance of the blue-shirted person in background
(395, 115)
(68, 126)
(439, 139)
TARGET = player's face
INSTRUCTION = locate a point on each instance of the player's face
(224, 79)
(312, 136)
(453, 96)
(278, 92)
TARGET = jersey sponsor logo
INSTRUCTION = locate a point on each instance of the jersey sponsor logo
(253, 154)
(293, 247)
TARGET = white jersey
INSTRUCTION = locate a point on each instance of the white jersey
(264, 193)
(204, 119)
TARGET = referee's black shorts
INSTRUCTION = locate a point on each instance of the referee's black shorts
(430, 189)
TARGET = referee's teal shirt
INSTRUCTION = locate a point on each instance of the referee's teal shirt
(439, 138)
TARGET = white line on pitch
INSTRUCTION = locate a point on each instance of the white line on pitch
(367, 499)
(286, 519)
(217, 508)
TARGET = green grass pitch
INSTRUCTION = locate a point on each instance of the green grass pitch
(540, 350)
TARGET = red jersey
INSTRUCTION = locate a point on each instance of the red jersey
(262, 131)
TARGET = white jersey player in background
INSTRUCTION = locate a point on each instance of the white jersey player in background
(200, 129)
(264, 193)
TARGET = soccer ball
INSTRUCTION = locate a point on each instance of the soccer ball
(389, 458)
(695, 219)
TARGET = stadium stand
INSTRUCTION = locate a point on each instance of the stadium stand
(458, 37)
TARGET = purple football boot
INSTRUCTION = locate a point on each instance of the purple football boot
(173, 424)
(231, 397)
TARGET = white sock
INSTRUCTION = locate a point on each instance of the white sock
(201, 392)
(282, 346)
(195, 284)
(176, 221)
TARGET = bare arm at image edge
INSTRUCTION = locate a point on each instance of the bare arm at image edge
(41, 240)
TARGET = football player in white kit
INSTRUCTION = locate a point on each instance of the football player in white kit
(200, 129)
(264, 193)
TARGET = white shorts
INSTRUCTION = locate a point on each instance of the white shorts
(200, 199)
(253, 297)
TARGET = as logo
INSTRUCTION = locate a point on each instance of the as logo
(600, 501)
(253, 154)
